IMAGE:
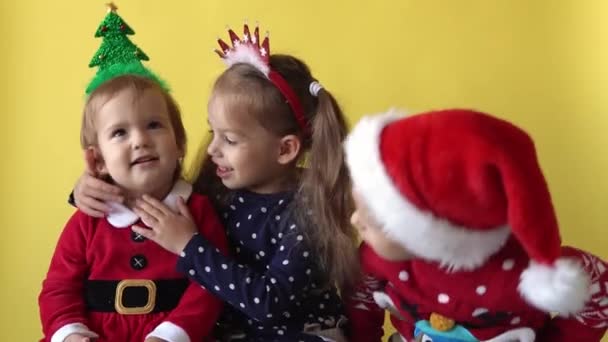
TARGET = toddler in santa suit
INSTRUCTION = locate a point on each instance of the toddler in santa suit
(461, 242)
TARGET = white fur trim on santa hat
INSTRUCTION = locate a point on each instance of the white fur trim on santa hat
(246, 53)
(563, 287)
(421, 233)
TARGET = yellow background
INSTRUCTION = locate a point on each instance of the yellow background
(541, 64)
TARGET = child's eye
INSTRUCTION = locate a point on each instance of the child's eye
(154, 125)
(230, 142)
(210, 131)
(119, 132)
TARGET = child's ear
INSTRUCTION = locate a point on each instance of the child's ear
(94, 161)
(289, 149)
(181, 153)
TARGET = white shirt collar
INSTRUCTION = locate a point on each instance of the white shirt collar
(122, 217)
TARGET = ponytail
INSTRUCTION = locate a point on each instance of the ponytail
(325, 185)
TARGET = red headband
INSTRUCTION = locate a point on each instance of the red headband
(248, 50)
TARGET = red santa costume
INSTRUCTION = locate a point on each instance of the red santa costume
(109, 283)
(462, 191)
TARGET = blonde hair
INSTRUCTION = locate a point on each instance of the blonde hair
(139, 84)
(324, 184)
(109, 89)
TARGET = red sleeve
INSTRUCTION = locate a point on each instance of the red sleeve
(366, 318)
(198, 310)
(591, 323)
(61, 301)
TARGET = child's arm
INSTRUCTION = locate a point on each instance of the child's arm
(590, 324)
(366, 318)
(62, 307)
(263, 295)
(198, 310)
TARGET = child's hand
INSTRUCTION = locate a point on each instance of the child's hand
(90, 192)
(170, 230)
(77, 338)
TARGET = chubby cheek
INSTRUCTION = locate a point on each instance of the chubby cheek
(107, 164)
(122, 163)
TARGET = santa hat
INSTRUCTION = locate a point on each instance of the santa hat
(452, 186)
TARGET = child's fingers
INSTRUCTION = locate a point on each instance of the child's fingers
(183, 208)
(93, 208)
(102, 195)
(108, 191)
(148, 219)
(93, 202)
(156, 204)
(149, 209)
(93, 213)
(145, 232)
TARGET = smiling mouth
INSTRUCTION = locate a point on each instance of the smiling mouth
(223, 171)
(144, 160)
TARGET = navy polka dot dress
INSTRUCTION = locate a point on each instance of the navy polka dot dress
(272, 283)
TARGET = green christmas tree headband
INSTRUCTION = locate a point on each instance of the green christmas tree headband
(117, 55)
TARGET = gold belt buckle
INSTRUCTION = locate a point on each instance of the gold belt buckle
(135, 310)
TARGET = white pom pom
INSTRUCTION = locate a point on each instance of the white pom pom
(563, 287)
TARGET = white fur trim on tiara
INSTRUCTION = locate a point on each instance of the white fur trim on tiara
(314, 88)
(249, 49)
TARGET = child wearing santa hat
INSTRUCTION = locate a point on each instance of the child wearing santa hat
(461, 242)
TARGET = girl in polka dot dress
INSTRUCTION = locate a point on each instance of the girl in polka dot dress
(287, 225)
(461, 239)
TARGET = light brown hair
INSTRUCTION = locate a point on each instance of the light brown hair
(324, 184)
(107, 90)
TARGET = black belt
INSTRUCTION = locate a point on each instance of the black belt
(134, 296)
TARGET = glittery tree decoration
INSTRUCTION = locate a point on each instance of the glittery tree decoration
(117, 55)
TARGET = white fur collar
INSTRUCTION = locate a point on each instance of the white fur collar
(122, 217)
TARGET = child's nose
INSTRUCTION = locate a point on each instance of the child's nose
(140, 139)
(212, 148)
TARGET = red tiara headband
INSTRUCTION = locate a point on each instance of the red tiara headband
(250, 51)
